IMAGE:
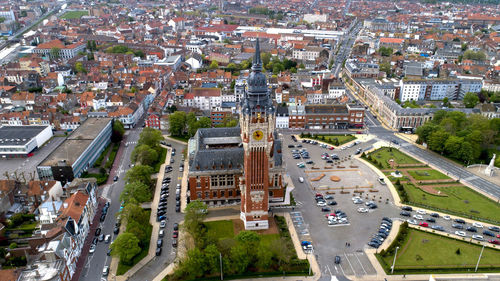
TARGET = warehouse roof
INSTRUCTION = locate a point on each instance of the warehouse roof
(19, 135)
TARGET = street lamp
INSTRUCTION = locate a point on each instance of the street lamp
(394, 261)
(479, 259)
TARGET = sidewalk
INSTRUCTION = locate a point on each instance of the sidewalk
(86, 246)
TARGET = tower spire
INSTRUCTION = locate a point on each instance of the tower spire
(257, 62)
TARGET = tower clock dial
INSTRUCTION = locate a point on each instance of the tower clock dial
(258, 135)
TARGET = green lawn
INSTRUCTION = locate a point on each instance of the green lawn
(183, 138)
(220, 229)
(74, 14)
(384, 154)
(426, 251)
(342, 139)
(461, 200)
(428, 175)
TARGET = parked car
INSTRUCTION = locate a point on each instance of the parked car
(92, 249)
(163, 224)
(438, 227)
(477, 224)
(460, 221)
(176, 226)
(116, 230)
(158, 252)
(337, 259)
(115, 178)
(405, 214)
(424, 224)
(431, 220)
(105, 271)
(478, 237)
(159, 243)
(457, 226)
(107, 239)
(97, 231)
(407, 208)
(488, 233)
(494, 228)
(460, 233)
(471, 229)
(174, 242)
(434, 215)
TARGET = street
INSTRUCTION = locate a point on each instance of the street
(95, 262)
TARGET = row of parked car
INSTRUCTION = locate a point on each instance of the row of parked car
(458, 223)
(383, 232)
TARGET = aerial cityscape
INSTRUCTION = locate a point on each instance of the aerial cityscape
(260, 140)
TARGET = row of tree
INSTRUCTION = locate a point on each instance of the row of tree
(468, 139)
(138, 189)
(136, 236)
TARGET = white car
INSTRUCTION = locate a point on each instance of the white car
(460, 233)
(418, 217)
(356, 198)
(412, 222)
(301, 179)
(422, 212)
(358, 201)
(321, 204)
(92, 249)
(478, 225)
(362, 210)
(447, 218)
(478, 237)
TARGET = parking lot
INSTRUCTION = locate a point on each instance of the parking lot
(28, 165)
(330, 241)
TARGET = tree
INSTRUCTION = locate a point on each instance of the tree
(264, 256)
(386, 67)
(132, 211)
(214, 65)
(137, 228)
(471, 55)
(232, 67)
(150, 137)
(466, 153)
(249, 240)
(195, 211)
(196, 264)
(144, 154)
(281, 250)
(125, 246)
(140, 173)
(137, 190)
(470, 100)
(302, 66)
(54, 53)
(118, 131)
(177, 122)
(239, 259)
(79, 68)
(385, 52)
(212, 259)
(437, 140)
(452, 146)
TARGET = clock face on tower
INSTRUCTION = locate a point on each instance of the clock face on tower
(257, 135)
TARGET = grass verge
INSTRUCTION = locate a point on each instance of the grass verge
(122, 268)
(423, 252)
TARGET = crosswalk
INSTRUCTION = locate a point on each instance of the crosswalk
(131, 142)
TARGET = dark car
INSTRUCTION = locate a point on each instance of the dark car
(337, 259)
(159, 243)
(435, 215)
(115, 178)
(177, 209)
(460, 221)
(95, 240)
(98, 231)
(160, 218)
(174, 242)
(494, 228)
(407, 208)
(437, 227)
(373, 244)
(326, 209)
(158, 251)
(116, 230)
(109, 252)
(372, 206)
(332, 203)
(457, 226)
(430, 219)
(176, 226)
(387, 219)
(291, 146)
(103, 217)
(489, 233)
(101, 237)
(471, 229)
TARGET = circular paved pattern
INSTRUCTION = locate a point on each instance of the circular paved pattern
(335, 178)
